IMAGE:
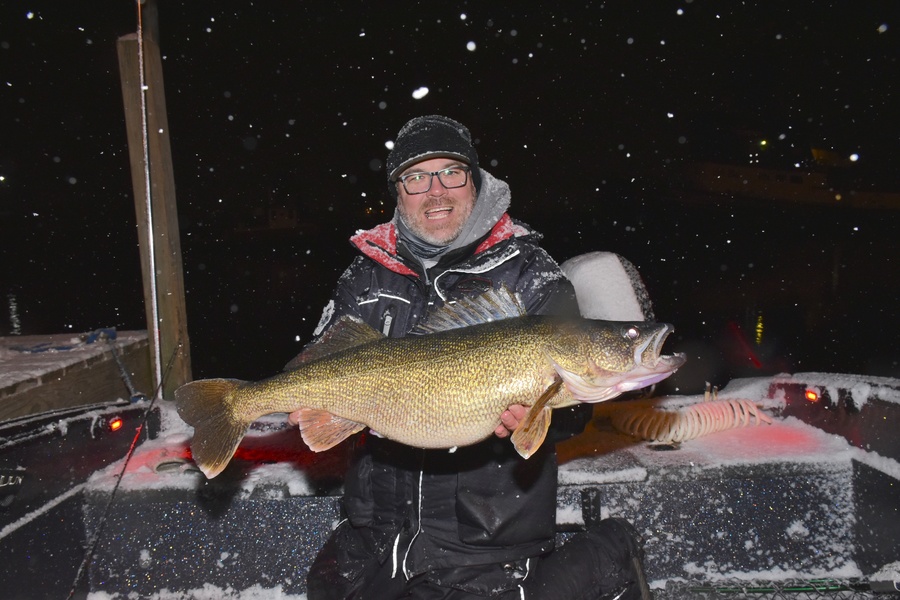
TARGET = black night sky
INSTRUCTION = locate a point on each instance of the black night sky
(591, 111)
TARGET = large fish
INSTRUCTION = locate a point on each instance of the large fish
(444, 389)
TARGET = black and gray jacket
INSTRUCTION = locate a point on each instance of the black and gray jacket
(430, 511)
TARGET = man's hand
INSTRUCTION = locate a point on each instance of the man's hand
(510, 419)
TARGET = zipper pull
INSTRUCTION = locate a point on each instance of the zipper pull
(387, 319)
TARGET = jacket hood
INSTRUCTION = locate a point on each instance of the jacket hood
(493, 200)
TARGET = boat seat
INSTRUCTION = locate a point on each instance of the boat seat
(608, 287)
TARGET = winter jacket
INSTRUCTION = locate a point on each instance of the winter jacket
(431, 511)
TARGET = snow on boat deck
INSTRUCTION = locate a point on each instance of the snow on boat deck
(45, 372)
(772, 502)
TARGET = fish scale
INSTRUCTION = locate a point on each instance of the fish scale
(440, 390)
(405, 392)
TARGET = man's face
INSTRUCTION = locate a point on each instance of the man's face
(438, 215)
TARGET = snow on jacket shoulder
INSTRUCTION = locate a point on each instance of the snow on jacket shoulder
(392, 293)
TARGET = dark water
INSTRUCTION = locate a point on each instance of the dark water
(285, 106)
(752, 288)
(756, 288)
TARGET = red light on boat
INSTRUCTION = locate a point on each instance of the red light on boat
(811, 395)
(116, 423)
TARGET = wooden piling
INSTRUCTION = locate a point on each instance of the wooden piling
(168, 324)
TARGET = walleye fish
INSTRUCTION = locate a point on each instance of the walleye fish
(441, 390)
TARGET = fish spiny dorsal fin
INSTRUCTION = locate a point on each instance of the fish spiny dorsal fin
(493, 305)
(346, 333)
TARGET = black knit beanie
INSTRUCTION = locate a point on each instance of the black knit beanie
(432, 136)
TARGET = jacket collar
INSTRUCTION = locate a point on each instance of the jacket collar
(380, 243)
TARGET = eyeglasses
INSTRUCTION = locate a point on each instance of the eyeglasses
(420, 182)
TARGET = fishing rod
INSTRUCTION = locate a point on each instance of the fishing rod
(151, 242)
(92, 545)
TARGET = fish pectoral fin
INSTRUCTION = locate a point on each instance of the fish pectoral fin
(532, 431)
(530, 434)
(322, 430)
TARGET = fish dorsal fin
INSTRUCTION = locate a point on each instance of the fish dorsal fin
(532, 431)
(493, 305)
(347, 332)
(322, 430)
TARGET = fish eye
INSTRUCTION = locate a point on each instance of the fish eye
(632, 333)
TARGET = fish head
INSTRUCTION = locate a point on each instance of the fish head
(598, 360)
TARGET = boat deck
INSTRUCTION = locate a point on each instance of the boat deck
(812, 496)
(40, 373)
(771, 502)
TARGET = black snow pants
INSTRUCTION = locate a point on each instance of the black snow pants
(598, 564)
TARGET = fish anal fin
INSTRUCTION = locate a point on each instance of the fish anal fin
(532, 431)
(322, 430)
(346, 333)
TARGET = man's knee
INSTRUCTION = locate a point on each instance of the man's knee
(619, 553)
(625, 574)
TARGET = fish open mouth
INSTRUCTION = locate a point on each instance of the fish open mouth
(649, 367)
(649, 353)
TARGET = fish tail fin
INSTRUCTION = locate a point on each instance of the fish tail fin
(217, 431)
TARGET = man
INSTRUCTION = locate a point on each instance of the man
(478, 522)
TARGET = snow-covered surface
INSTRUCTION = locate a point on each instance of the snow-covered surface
(27, 359)
(599, 456)
(889, 572)
(862, 387)
(285, 467)
(594, 454)
(209, 592)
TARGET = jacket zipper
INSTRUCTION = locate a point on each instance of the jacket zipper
(395, 552)
(387, 319)
(418, 520)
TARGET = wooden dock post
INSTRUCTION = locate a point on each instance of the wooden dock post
(156, 215)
